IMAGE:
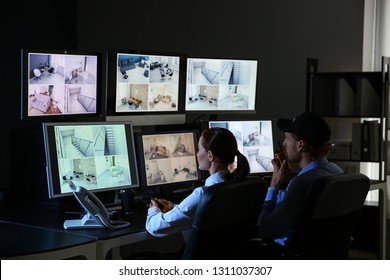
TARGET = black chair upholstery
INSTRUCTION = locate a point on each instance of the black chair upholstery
(332, 208)
(51, 71)
(225, 220)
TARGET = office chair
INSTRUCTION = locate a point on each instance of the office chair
(332, 207)
(51, 71)
(37, 74)
(162, 74)
(224, 222)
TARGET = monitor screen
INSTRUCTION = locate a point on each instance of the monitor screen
(61, 84)
(144, 83)
(255, 140)
(168, 158)
(221, 85)
(98, 156)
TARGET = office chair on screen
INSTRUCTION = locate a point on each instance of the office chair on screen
(37, 74)
(51, 72)
(224, 222)
(332, 207)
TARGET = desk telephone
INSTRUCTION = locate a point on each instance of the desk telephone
(97, 215)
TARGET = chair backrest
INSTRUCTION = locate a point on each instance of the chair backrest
(332, 208)
(225, 219)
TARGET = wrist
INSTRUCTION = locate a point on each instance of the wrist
(271, 188)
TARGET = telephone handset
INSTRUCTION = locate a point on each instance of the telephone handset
(97, 215)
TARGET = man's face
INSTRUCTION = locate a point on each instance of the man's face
(293, 147)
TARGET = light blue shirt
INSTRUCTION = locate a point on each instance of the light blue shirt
(181, 216)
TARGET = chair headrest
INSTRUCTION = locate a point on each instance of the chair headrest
(338, 195)
(230, 202)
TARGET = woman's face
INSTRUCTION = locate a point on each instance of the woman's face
(203, 156)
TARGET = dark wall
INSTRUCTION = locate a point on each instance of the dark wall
(44, 25)
(280, 34)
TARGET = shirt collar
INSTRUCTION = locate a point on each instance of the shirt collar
(314, 164)
(215, 178)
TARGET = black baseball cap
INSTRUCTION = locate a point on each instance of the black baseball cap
(309, 127)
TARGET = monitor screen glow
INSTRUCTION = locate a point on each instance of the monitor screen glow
(221, 85)
(144, 82)
(61, 84)
(255, 141)
(97, 156)
(168, 158)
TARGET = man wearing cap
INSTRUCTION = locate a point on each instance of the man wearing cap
(306, 143)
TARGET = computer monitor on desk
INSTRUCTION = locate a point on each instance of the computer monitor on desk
(84, 158)
(167, 160)
(256, 141)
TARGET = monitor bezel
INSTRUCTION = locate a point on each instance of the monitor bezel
(222, 111)
(169, 186)
(141, 117)
(52, 169)
(100, 87)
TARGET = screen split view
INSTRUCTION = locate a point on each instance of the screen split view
(147, 82)
(61, 85)
(102, 156)
(73, 94)
(220, 85)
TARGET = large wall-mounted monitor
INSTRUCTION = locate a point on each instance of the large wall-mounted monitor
(221, 85)
(255, 140)
(98, 156)
(59, 85)
(167, 159)
(146, 84)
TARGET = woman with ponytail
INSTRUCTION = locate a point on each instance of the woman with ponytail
(217, 153)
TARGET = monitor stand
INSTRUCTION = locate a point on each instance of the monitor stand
(86, 222)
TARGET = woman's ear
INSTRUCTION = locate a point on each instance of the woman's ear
(210, 156)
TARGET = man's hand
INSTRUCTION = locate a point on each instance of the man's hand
(278, 175)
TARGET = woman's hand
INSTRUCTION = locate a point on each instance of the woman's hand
(166, 202)
(163, 204)
(152, 203)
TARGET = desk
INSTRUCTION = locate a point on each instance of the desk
(39, 234)
(46, 223)
(26, 243)
(44, 70)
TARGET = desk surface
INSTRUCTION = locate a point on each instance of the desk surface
(40, 225)
(33, 231)
(20, 240)
(54, 220)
